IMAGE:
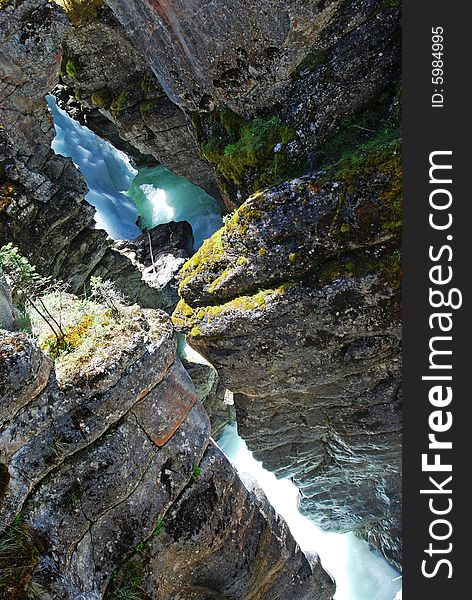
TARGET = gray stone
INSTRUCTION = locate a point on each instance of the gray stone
(296, 302)
(111, 481)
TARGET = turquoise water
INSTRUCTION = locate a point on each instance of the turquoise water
(160, 197)
(360, 573)
(122, 193)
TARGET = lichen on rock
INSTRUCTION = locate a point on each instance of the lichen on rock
(306, 334)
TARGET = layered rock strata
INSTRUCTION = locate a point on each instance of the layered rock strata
(42, 206)
(267, 82)
(106, 74)
(296, 302)
(110, 484)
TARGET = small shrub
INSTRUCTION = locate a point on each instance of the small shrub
(126, 583)
(28, 286)
(18, 559)
(106, 293)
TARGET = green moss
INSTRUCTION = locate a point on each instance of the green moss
(211, 252)
(196, 472)
(378, 159)
(146, 84)
(262, 252)
(101, 98)
(362, 263)
(72, 67)
(237, 146)
(185, 317)
(73, 338)
(118, 103)
(374, 126)
(159, 528)
(310, 63)
(147, 105)
(294, 258)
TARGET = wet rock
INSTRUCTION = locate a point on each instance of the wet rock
(296, 302)
(108, 479)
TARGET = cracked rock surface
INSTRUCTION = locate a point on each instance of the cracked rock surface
(109, 479)
(296, 302)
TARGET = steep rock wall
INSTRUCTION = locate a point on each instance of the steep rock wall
(42, 206)
(301, 68)
(107, 74)
(296, 302)
(109, 481)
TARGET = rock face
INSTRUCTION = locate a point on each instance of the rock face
(7, 310)
(296, 303)
(146, 269)
(108, 75)
(109, 481)
(266, 82)
(217, 400)
(44, 212)
(42, 206)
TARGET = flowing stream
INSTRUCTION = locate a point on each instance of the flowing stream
(360, 573)
(121, 194)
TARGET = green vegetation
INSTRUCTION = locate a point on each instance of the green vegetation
(187, 318)
(147, 105)
(363, 263)
(196, 472)
(159, 528)
(101, 98)
(237, 146)
(81, 12)
(382, 158)
(126, 584)
(18, 559)
(72, 67)
(29, 287)
(374, 127)
(118, 103)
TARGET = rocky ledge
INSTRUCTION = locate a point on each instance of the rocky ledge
(110, 484)
(296, 302)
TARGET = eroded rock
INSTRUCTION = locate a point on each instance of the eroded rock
(109, 75)
(296, 302)
(108, 480)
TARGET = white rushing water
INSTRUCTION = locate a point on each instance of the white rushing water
(120, 193)
(161, 196)
(360, 573)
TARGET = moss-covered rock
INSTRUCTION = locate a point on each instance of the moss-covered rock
(291, 230)
(296, 301)
(247, 154)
